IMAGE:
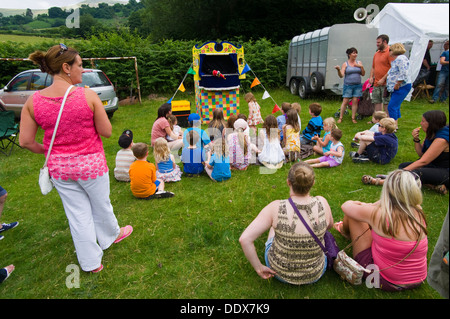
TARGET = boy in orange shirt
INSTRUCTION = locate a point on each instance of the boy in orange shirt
(143, 182)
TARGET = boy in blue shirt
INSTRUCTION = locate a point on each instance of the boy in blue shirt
(193, 157)
(315, 124)
(281, 120)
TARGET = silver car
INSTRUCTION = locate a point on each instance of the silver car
(14, 95)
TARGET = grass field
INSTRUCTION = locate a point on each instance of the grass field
(187, 247)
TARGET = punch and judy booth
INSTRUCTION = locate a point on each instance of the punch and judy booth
(217, 78)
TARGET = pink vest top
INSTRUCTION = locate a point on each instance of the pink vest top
(389, 251)
(78, 149)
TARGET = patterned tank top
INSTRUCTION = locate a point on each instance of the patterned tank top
(297, 258)
(78, 149)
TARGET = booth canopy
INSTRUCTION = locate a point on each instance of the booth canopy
(416, 24)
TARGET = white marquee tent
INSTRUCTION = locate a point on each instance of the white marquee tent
(414, 24)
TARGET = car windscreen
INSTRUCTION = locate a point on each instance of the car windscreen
(95, 79)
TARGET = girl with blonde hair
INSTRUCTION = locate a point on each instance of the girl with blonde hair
(391, 233)
(323, 145)
(291, 132)
(166, 168)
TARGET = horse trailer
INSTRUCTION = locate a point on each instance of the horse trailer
(313, 56)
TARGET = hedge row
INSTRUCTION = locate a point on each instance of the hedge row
(161, 66)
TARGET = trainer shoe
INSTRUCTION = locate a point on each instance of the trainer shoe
(360, 159)
(353, 154)
(164, 194)
(354, 144)
(6, 227)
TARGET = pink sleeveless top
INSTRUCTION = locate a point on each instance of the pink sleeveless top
(78, 149)
(389, 251)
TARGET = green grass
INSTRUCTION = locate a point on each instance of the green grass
(187, 246)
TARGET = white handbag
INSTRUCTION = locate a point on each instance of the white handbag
(45, 182)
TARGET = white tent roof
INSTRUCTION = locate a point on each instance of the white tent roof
(415, 23)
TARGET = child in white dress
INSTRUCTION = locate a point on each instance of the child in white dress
(166, 168)
(272, 155)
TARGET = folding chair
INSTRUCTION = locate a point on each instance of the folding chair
(422, 88)
(9, 131)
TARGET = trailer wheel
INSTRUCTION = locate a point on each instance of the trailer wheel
(316, 82)
(302, 88)
(293, 86)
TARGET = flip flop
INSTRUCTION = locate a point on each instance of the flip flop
(369, 180)
(97, 270)
(337, 226)
(127, 230)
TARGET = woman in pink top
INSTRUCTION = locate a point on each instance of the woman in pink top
(397, 224)
(161, 128)
(77, 163)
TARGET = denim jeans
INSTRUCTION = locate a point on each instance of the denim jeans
(441, 85)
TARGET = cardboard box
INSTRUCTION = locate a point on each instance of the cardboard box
(181, 109)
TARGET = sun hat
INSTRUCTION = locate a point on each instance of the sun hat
(240, 124)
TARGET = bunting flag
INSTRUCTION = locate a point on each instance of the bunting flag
(276, 108)
(191, 71)
(245, 69)
(255, 82)
(181, 88)
(170, 101)
(265, 95)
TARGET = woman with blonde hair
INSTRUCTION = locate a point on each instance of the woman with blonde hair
(398, 81)
(391, 233)
(291, 253)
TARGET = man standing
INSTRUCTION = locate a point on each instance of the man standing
(378, 73)
(441, 90)
(424, 72)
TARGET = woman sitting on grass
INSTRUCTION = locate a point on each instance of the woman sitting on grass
(433, 164)
(397, 223)
(289, 254)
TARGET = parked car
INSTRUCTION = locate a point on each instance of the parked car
(14, 95)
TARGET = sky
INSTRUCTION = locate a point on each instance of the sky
(36, 4)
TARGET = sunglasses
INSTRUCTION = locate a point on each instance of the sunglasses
(63, 48)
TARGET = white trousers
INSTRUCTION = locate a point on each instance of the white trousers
(92, 222)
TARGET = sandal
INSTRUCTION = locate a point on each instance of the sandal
(97, 270)
(127, 230)
(369, 180)
(441, 189)
(338, 226)
(354, 121)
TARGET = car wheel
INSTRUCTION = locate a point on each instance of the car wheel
(316, 82)
(293, 86)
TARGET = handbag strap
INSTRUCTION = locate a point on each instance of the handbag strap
(307, 226)
(57, 124)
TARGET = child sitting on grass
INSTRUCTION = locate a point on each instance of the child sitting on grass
(272, 155)
(193, 157)
(218, 165)
(124, 157)
(281, 119)
(239, 146)
(380, 147)
(376, 118)
(291, 133)
(143, 182)
(314, 126)
(334, 156)
(167, 169)
(323, 145)
(176, 129)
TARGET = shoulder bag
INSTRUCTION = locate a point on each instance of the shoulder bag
(330, 249)
(45, 182)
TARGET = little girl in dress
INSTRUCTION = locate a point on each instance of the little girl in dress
(323, 144)
(239, 146)
(166, 168)
(254, 112)
(176, 129)
(272, 155)
(291, 132)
